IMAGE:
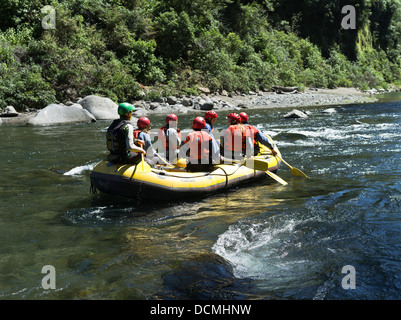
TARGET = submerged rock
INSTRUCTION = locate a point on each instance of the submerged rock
(296, 114)
(61, 114)
(330, 110)
(207, 277)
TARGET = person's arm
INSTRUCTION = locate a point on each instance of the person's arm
(215, 150)
(174, 140)
(184, 148)
(130, 141)
(263, 140)
(249, 147)
(208, 127)
(222, 138)
(150, 151)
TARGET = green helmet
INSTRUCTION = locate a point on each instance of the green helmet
(125, 108)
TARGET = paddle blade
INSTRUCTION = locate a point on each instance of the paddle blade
(298, 173)
(143, 167)
(277, 178)
(295, 172)
(257, 164)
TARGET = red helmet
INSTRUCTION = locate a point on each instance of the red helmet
(143, 122)
(235, 117)
(171, 117)
(244, 117)
(198, 123)
(211, 115)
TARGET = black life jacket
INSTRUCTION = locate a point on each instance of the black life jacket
(116, 138)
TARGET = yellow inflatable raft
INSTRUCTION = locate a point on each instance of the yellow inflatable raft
(141, 181)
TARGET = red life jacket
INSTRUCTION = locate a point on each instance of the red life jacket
(136, 133)
(199, 145)
(234, 138)
(164, 141)
(136, 136)
(252, 131)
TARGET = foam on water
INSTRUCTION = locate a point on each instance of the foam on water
(79, 170)
(257, 249)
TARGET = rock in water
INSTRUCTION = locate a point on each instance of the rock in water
(60, 114)
(330, 110)
(9, 111)
(101, 108)
(296, 114)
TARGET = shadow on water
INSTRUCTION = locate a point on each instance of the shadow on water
(103, 209)
(106, 210)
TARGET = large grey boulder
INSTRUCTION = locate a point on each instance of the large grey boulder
(208, 105)
(61, 114)
(101, 108)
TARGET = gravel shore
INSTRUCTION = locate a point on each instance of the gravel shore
(232, 102)
(311, 97)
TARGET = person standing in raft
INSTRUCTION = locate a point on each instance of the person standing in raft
(203, 149)
(256, 136)
(170, 138)
(142, 134)
(235, 142)
(120, 138)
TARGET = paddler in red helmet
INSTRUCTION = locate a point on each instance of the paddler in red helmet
(202, 149)
(255, 135)
(170, 138)
(234, 141)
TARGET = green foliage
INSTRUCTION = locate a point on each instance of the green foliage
(175, 34)
(107, 47)
(24, 88)
(142, 62)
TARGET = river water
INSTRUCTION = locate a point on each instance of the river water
(257, 241)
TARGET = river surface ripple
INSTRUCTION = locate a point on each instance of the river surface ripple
(258, 241)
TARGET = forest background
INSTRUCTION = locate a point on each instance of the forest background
(113, 47)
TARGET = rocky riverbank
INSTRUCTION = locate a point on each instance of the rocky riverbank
(94, 108)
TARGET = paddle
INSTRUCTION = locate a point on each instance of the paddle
(261, 165)
(164, 160)
(143, 169)
(277, 178)
(295, 172)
